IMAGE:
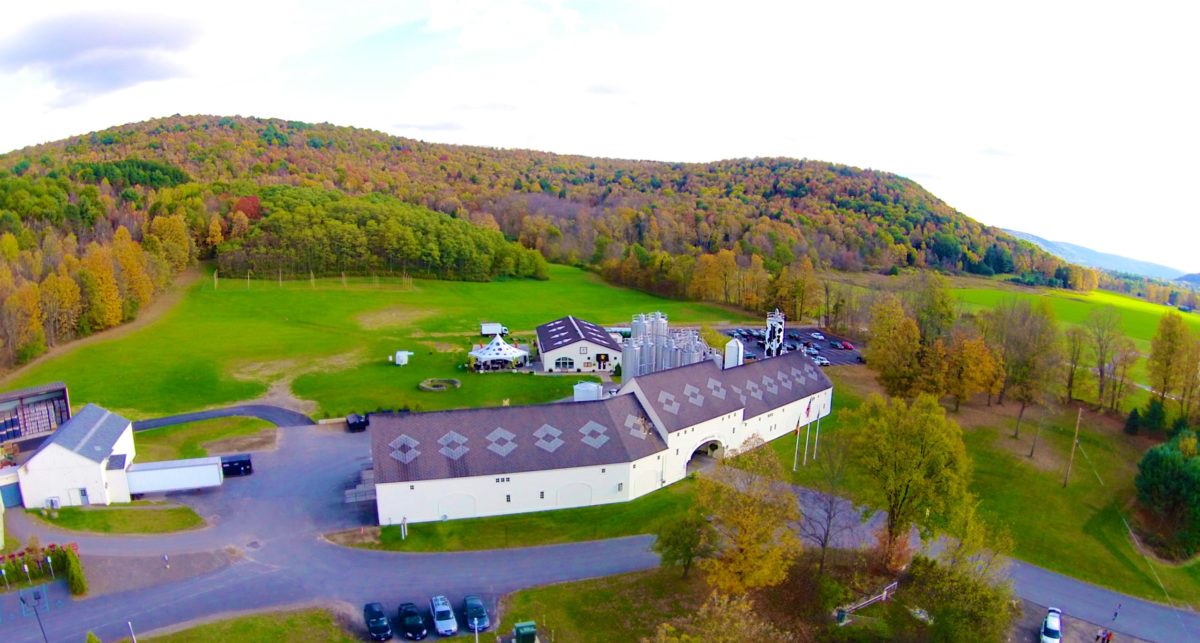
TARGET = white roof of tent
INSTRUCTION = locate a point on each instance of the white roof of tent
(498, 349)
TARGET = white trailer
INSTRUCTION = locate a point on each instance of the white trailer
(492, 328)
(175, 475)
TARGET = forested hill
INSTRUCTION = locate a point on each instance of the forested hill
(578, 209)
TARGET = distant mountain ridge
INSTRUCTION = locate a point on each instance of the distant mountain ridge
(1193, 279)
(1103, 260)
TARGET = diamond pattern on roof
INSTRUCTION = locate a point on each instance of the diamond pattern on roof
(810, 371)
(454, 445)
(668, 403)
(738, 392)
(754, 390)
(799, 375)
(784, 379)
(693, 395)
(637, 426)
(500, 441)
(547, 438)
(404, 448)
(593, 434)
(770, 385)
(716, 388)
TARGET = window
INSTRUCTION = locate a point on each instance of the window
(412, 487)
(507, 498)
(542, 495)
(658, 457)
(564, 363)
(602, 470)
(635, 466)
(583, 350)
(620, 486)
(676, 451)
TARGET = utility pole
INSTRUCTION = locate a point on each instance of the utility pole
(1074, 443)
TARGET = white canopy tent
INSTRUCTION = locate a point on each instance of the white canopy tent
(501, 351)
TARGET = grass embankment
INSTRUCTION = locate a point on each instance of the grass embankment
(329, 342)
(1076, 531)
(194, 439)
(135, 518)
(302, 625)
(641, 516)
(626, 607)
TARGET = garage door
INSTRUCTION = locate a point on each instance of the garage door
(11, 495)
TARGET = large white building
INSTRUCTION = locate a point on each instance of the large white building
(83, 462)
(486, 462)
(572, 345)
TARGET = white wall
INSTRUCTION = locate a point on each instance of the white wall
(572, 351)
(429, 500)
(59, 473)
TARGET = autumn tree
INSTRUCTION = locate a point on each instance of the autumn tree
(934, 361)
(1189, 383)
(1168, 349)
(102, 306)
(1026, 336)
(61, 306)
(827, 514)
(723, 618)
(1125, 357)
(915, 461)
(239, 224)
(752, 513)
(24, 335)
(1075, 354)
(932, 306)
(133, 278)
(971, 367)
(216, 232)
(894, 349)
(685, 540)
(1104, 330)
(168, 237)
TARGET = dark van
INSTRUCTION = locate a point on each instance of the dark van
(236, 465)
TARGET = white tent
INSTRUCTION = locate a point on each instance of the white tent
(499, 350)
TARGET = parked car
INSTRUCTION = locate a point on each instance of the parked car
(443, 616)
(847, 345)
(412, 622)
(377, 622)
(1051, 626)
(817, 336)
(835, 344)
(820, 361)
(475, 613)
(812, 350)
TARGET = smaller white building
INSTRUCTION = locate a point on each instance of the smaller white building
(84, 462)
(571, 345)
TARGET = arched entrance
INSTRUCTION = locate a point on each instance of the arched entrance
(705, 455)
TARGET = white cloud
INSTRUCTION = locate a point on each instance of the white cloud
(1068, 120)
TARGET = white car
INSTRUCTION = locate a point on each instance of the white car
(443, 616)
(1051, 631)
(820, 361)
(817, 336)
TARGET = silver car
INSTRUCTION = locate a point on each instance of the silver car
(443, 616)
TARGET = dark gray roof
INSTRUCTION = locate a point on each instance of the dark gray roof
(568, 330)
(688, 395)
(116, 462)
(92, 433)
(510, 439)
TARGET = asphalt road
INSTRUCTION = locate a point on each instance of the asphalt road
(798, 336)
(273, 414)
(276, 518)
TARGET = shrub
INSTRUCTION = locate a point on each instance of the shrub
(1155, 416)
(92, 638)
(1168, 485)
(964, 607)
(1133, 422)
(76, 580)
(1180, 424)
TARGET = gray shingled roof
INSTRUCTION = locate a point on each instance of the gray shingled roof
(116, 462)
(502, 440)
(91, 433)
(688, 395)
(568, 330)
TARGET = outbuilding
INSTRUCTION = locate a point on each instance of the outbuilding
(83, 462)
(572, 345)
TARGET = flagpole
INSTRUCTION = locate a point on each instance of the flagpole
(796, 455)
(807, 432)
(818, 438)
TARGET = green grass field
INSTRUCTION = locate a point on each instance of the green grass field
(641, 516)
(188, 440)
(1076, 531)
(302, 625)
(137, 519)
(230, 343)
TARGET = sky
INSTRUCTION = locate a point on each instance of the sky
(1073, 121)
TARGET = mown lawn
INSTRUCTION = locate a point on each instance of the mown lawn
(641, 516)
(226, 344)
(303, 625)
(138, 519)
(626, 607)
(188, 440)
(1076, 531)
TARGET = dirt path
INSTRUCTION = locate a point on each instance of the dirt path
(164, 302)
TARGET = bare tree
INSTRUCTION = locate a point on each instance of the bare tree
(827, 515)
(1075, 353)
(1104, 328)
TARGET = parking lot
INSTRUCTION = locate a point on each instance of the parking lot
(795, 339)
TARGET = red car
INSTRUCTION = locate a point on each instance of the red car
(847, 346)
